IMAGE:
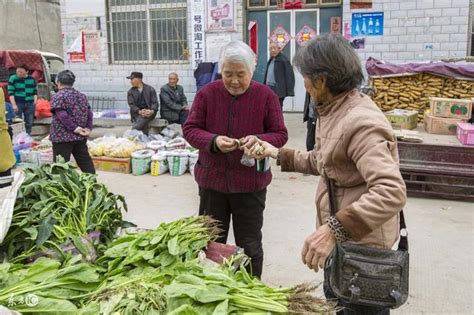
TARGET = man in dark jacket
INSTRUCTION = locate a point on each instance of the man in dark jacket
(279, 75)
(143, 102)
(174, 105)
(310, 117)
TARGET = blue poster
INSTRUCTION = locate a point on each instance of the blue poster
(367, 24)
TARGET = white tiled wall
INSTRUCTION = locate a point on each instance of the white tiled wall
(104, 79)
(417, 30)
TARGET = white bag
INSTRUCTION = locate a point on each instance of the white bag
(156, 145)
(8, 203)
(193, 158)
(159, 164)
(178, 162)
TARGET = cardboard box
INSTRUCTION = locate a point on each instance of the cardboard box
(450, 108)
(440, 125)
(465, 133)
(107, 164)
(402, 119)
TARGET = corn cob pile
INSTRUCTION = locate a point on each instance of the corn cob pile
(414, 92)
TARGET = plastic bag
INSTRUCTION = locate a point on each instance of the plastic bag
(159, 164)
(143, 154)
(22, 138)
(156, 145)
(122, 148)
(98, 146)
(193, 158)
(178, 162)
(136, 135)
(176, 144)
(172, 131)
(247, 161)
(43, 109)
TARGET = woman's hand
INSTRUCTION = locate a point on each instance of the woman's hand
(226, 144)
(261, 150)
(248, 142)
(317, 247)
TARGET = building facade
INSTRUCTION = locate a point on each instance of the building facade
(28, 25)
(160, 36)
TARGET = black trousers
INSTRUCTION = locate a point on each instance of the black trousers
(311, 134)
(80, 152)
(246, 210)
(352, 309)
(282, 100)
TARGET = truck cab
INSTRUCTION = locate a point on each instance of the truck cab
(44, 67)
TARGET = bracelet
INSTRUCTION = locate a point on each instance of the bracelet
(278, 157)
(337, 229)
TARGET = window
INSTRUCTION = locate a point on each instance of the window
(147, 31)
(273, 4)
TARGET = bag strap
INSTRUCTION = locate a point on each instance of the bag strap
(331, 187)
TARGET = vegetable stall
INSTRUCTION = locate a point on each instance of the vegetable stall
(68, 250)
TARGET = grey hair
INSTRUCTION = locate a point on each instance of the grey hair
(332, 57)
(66, 77)
(237, 52)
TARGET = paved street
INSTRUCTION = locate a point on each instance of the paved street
(441, 231)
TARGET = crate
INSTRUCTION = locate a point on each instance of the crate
(402, 119)
(450, 108)
(117, 165)
(440, 125)
(465, 133)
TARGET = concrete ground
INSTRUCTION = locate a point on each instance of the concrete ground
(441, 231)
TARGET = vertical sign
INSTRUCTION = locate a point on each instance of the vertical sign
(198, 40)
(367, 24)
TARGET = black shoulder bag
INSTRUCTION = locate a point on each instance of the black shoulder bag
(359, 274)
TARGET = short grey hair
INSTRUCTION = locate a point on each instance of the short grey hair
(332, 57)
(237, 52)
(66, 77)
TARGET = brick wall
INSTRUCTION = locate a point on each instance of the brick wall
(417, 30)
(104, 79)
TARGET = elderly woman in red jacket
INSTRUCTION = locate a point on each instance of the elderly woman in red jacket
(223, 112)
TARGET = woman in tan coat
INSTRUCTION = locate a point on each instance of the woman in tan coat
(356, 147)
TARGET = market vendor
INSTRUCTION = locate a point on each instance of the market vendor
(355, 147)
(223, 112)
(143, 102)
(72, 123)
(7, 159)
(174, 104)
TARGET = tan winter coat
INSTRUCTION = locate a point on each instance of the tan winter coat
(356, 147)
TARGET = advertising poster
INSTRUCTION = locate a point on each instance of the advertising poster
(367, 24)
(220, 15)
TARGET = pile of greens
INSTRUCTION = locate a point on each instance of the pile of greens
(159, 271)
(169, 243)
(56, 205)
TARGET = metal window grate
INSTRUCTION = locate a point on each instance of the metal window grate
(147, 31)
(100, 103)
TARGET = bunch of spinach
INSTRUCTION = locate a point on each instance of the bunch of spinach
(46, 286)
(56, 203)
(162, 247)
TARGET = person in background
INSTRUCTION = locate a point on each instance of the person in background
(143, 102)
(310, 117)
(223, 112)
(7, 158)
(72, 123)
(23, 95)
(174, 105)
(357, 149)
(279, 75)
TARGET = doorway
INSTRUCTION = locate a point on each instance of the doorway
(294, 27)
